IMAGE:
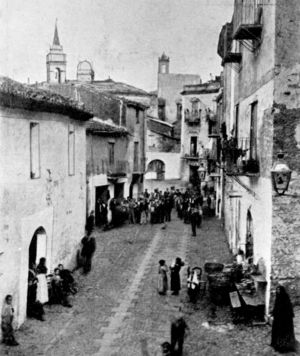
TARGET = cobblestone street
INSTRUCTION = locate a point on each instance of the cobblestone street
(117, 306)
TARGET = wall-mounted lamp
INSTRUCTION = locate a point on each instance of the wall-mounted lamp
(281, 175)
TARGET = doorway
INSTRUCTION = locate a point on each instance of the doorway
(37, 247)
(102, 195)
(119, 191)
(249, 235)
(194, 177)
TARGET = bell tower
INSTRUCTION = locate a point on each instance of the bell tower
(163, 64)
(56, 61)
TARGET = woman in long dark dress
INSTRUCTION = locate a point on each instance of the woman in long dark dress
(283, 336)
(175, 275)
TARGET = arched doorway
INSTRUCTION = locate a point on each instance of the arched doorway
(249, 235)
(58, 75)
(158, 167)
(38, 246)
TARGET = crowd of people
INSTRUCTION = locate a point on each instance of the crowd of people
(156, 208)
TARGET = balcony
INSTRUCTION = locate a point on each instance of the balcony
(238, 159)
(191, 156)
(225, 46)
(113, 170)
(193, 118)
(247, 20)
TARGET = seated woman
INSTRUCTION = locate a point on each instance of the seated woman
(56, 296)
(7, 317)
(68, 282)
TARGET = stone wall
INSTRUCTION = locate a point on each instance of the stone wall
(286, 209)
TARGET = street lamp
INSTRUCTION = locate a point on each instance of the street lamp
(281, 175)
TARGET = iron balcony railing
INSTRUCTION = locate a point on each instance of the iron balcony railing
(240, 156)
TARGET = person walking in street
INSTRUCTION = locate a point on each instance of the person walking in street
(162, 285)
(283, 335)
(87, 252)
(175, 275)
(178, 333)
(90, 222)
(194, 214)
(7, 317)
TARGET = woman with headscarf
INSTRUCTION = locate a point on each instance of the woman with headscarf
(283, 336)
(175, 275)
(162, 285)
(42, 287)
(7, 317)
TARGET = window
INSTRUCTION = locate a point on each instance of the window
(136, 157)
(137, 115)
(111, 153)
(35, 169)
(253, 131)
(194, 146)
(71, 150)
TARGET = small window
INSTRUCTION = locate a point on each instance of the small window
(111, 153)
(137, 115)
(71, 150)
(35, 169)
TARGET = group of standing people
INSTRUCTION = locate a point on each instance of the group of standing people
(163, 271)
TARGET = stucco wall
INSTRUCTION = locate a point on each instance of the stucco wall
(169, 88)
(257, 68)
(171, 160)
(55, 201)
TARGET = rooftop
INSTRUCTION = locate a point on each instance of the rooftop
(160, 127)
(212, 86)
(103, 128)
(16, 95)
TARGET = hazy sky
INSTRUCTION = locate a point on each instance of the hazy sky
(122, 38)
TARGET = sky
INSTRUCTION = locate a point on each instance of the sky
(121, 38)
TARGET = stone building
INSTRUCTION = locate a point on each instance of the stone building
(118, 103)
(56, 61)
(163, 155)
(197, 126)
(169, 87)
(261, 106)
(105, 169)
(42, 184)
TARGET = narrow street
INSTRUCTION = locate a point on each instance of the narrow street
(118, 306)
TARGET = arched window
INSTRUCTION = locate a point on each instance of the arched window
(187, 114)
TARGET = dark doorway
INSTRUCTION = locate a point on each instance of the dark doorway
(194, 177)
(119, 191)
(37, 247)
(32, 251)
(102, 196)
(249, 235)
